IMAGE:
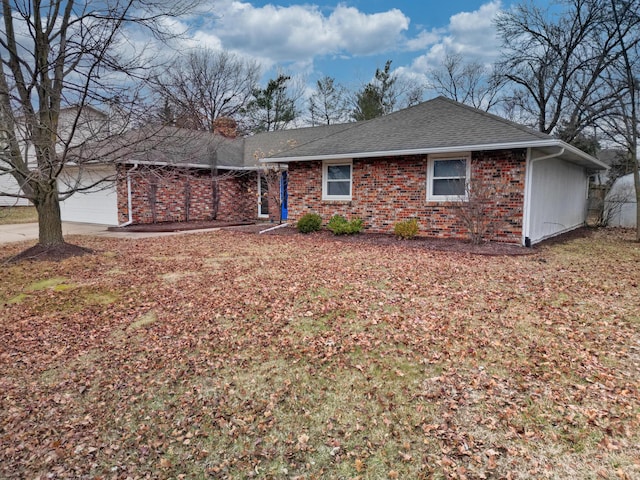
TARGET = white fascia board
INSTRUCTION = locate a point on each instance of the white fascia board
(585, 156)
(460, 148)
(188, 165)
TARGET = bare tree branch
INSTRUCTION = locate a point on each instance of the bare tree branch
(61, 54)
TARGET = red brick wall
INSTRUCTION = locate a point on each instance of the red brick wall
(238, 196)
(388, 190)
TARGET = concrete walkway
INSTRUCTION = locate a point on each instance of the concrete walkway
(29, 231)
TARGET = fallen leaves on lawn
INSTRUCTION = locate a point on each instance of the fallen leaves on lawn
(240, 356)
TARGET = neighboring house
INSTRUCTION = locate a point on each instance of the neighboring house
(75, 128)
(621, 204)
(415, 163)
(418, 162)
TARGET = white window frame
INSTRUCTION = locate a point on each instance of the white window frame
(325, 179)
(431, 197)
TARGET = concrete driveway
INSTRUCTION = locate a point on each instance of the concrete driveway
(29, 231)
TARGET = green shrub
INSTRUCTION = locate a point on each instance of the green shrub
(341, 226)
(406, 229)
(310, 222)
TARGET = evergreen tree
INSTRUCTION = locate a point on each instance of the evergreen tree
(378, 97)
(272, 108)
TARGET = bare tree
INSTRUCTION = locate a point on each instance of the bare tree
(205, 85)
(207, 90)
(466, 82)
(272, 174)
(555, 63)
(623, 79)
(483, 209)
(66, 52)
(612, 207)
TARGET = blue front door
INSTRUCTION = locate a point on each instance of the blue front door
(284, 195)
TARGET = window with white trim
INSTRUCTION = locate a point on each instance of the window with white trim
(337, 180)
(447, 178)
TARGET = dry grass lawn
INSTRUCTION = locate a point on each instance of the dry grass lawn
(9, 215)
(229, 355)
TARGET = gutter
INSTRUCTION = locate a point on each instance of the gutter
(129, 199)
(526, 240)
(449, 149)
(193, 165)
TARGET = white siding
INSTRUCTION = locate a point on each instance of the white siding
(98, 205)
(558, 198)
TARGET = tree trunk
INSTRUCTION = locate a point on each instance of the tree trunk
(636, 184)
(49, 221)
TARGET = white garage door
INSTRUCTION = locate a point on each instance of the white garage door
(8, 184)
(98, 205)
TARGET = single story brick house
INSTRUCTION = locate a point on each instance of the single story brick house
(420, 162)
(167, 174)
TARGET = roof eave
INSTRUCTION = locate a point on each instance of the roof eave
(188, 165)
(585, 159)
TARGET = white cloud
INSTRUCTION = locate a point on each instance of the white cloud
(423, 40)
(474, 33)
(295, 37)
(469, 34)
(299, 33)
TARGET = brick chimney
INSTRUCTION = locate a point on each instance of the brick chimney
(225, 126)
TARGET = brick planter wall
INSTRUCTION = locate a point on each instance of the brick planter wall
(171, 188)
(388, 190)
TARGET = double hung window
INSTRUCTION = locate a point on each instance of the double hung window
(337, 180)
(447, 178)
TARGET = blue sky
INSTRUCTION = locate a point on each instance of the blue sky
(348, 40)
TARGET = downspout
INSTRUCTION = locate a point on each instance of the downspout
(129, 200)
(526, 239)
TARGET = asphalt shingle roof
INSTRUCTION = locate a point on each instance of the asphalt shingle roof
(275, 143)
(166, 146)
(437, 123)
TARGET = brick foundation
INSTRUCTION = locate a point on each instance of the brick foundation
(172, 195)
(388, 190)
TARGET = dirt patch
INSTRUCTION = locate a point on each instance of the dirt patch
(176, 226)
(53, 253)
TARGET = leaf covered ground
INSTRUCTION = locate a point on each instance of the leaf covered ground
(230, 355)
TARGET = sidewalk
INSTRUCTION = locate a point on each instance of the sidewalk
(29, 231)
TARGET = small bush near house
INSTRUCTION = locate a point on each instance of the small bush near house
(310, 222)
(406, 229)
(341, 226)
